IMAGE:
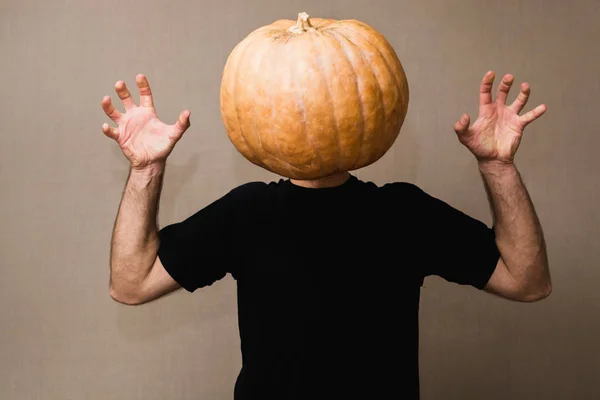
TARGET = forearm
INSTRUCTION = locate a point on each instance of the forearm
(135, 236)
(519, 234)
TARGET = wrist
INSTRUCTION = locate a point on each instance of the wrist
(148, 173)
(149, 170)
(496, 166)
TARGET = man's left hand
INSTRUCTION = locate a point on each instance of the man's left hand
(496, 134)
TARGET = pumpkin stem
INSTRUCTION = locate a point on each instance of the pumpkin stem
(302, 25)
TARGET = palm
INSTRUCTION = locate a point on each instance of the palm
(497, 132)
(142, 136)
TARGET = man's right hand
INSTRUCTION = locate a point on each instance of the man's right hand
(145, 140)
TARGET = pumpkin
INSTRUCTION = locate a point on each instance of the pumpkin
(307, 99)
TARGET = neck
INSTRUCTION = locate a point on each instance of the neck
(330, 181)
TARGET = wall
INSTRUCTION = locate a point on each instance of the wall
(62, 337)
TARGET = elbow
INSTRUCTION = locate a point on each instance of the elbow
(126, 297)
(537, 293)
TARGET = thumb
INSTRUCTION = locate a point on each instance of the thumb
(111, 132)
(462, 125)
(182, 124)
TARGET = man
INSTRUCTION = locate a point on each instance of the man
(329, 271)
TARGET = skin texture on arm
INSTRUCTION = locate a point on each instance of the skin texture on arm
(136, 274)
(522, 274)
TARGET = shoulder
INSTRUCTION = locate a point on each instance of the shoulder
(256, 189)
(248, 189)
(401, 187)
(408, 198)
(401, 190)
(252, 195)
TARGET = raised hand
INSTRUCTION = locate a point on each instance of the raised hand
(496, 134)
(144, 139)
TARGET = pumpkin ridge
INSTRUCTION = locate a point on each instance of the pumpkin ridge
(235, 107)
(345, 94)
(275, 137)
(402, 91)
(268, 159)
(255, 150)
(383, 130)
(370, 67)
(335, 34)
(384, 58)
(389, 70)
(261, 67)
(305, 133)
(397, 71)
(325, 77)
(302, 106)
(267, 152)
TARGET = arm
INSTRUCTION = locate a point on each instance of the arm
(136, 273)
(522, 272)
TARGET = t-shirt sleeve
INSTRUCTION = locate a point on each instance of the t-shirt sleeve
(201, 249)
(452, 244)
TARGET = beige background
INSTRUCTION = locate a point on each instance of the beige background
(62, 337)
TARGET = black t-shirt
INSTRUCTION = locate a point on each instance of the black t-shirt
(328, 281)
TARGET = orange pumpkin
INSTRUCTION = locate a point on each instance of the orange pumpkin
(310, 98)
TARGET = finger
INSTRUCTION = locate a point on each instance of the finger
(504, 88)
(182, 124)
(521, 100)
(110, 110)
(462, 125)
(109, 131)
(145, 92)
(485, 90)
(124, 95)
(532, 115)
